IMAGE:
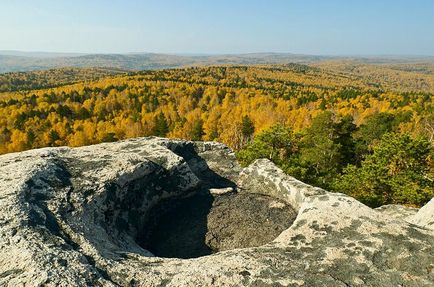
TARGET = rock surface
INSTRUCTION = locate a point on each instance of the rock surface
(398, 211)
(204, 223)
(78, 217)
(425, 216)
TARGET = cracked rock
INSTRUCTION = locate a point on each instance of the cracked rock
(159, 212)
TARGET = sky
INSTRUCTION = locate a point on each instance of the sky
(316, 27)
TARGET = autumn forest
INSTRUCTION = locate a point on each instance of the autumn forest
(363, 129)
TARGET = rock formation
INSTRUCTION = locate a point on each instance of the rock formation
(158, 212)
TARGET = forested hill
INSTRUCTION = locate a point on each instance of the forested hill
(20, 81)
(15, 62)
(290, 94)
(20, 61)
(327, 125)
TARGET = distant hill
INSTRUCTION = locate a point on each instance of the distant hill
(15, 61)
(38, 54)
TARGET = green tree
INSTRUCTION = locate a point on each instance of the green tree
(31, 137)
(53, 136)
(276, 144)
(247, 127)
(399, 171)
(197, 131)
(371, 131)
(375, 126)
(5, 136)
(214, 134)
(109, 137)
(345, 129)
(320, 151)
(161, 127)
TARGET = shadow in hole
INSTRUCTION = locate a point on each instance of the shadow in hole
(174, 227)
(177, 227)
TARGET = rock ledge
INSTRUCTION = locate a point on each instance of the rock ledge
(75, 217)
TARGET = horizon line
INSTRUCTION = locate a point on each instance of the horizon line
(192, 54)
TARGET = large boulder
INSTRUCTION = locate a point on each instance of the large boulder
(425, 216)
(158, 212)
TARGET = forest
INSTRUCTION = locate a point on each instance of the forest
(365, 130)
(19, 81)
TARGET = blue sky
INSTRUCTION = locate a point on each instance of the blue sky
(322, 27)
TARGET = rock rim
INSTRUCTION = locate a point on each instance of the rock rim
(71, 217)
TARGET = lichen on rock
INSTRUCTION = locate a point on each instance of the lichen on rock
(108, 215)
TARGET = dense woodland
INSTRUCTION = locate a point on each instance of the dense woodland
(362, 130)
(19, 81)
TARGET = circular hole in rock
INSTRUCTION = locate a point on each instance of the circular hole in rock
(204, 224)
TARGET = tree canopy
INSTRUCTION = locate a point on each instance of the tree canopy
(324, 125)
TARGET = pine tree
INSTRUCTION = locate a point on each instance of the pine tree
(247, 128)
(161, 127)
(197, 131)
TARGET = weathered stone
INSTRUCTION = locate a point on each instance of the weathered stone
(80, 217)
(220, 191)
(425, 216)
(264, 177)
(398, 211)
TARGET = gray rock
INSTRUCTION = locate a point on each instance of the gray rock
(84, 216)
(425, 216)
(398, 211)
(220, 191)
